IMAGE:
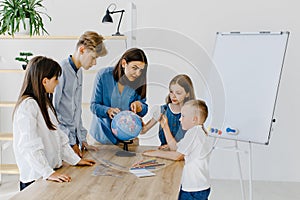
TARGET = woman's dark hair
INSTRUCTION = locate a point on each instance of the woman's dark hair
(140, 84)
(38, 68)
(184, 81)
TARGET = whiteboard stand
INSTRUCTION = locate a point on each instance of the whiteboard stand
(240, 169)
(238, 151)
(250, 170)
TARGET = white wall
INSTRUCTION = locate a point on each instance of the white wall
(198, 21)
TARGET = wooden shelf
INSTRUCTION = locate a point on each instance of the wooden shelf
(11, 104)
(21, 71)
(7, 104)
(9, 169)
(12, 71)
(6, 136)
(53, 37)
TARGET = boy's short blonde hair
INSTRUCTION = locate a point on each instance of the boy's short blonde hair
(93, 41)
(199, 107)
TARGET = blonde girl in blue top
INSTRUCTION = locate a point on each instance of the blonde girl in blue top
(39, 145)
(118, 88)
(180, 90)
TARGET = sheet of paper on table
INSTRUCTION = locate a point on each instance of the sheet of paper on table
(142, 172)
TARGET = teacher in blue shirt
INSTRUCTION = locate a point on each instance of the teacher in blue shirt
(118, 88)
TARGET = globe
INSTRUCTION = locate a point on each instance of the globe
(126, 125)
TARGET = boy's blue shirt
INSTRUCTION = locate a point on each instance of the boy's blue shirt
(72, 64)
(68, 103)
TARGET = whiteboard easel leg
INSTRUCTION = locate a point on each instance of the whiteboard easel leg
(0, 161)
(250, 171)
(240, 170)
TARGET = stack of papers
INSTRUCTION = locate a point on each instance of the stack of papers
(141, 172)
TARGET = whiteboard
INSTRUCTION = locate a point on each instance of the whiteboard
(250, 67)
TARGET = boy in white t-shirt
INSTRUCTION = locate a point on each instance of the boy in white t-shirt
(193, 148)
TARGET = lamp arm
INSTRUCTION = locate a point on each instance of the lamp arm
(112, 12)
(122, 11)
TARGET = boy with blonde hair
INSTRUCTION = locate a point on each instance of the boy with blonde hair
(194, 148)
(68, 93)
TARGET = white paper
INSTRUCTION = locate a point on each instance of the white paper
(141, 172)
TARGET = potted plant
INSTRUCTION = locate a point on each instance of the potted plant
(15, 13)
(24, 58)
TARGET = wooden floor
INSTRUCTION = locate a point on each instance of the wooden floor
(221, 189)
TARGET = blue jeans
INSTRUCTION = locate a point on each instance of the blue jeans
(200, 195)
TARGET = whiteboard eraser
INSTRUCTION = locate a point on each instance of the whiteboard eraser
(232, 131)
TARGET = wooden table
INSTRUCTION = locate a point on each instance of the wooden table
(120, 184)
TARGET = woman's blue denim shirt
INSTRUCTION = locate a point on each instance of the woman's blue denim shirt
(105, 95)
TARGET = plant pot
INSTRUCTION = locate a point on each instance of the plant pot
(24, 66)
(23, 31)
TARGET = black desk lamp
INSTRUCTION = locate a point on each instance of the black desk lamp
(108, 19)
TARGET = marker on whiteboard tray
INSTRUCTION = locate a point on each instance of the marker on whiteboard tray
(232, 131)
(265, 32)
(235, 32)
(214, 130)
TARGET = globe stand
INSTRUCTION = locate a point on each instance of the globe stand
(125, 152)
(125, 147)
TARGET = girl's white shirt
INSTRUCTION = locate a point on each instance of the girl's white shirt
(37, 149)
(195, 146)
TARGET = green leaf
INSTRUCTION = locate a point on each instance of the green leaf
(24, 57)
(14, 12)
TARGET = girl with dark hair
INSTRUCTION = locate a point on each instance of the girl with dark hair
(118, 88)
(39, 145)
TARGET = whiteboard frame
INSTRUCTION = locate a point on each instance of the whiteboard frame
(222, 128)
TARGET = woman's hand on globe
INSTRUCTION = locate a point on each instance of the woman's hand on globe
(112, 112)
(136, 106)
